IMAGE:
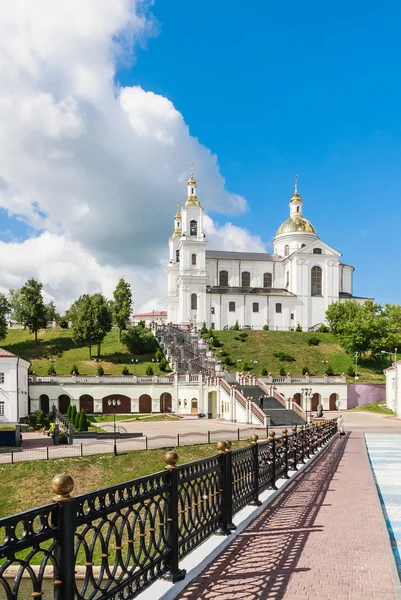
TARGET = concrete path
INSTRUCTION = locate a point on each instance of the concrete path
(385, 455)
(323, 538)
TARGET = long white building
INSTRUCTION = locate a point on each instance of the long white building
(292, 286)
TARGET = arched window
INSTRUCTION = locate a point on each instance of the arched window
(245, 279)
(267, 280)
(193, 228)
(286, 250)
(223, 277)
(194, 302)
(177, 256)
(193, 259)
(287, 279)
(316, 281)
(317, 251)
(302, 245)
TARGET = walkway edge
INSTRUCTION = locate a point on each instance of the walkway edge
(386, 534)
(202, 556)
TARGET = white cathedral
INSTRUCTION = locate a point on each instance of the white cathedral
(292, 286)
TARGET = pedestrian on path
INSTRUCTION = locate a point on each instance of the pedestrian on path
(340, 425)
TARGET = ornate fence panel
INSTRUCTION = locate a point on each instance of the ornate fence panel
(199, 501)
(242, 477)
(112, 543)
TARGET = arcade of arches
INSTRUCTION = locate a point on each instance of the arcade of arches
(316, 399)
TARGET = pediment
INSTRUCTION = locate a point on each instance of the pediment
(326, 250)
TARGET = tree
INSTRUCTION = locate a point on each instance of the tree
(122, 304)
(82, 421)
(149, 370)
(51, 312)
(5, 308)
(15, 301)
(91, 318)
(392, 316)
(139, 340)
(29, 306)
(73, 415)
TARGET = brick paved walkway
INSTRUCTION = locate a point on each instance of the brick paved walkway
(322, 538)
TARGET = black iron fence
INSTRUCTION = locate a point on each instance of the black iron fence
(114, 542)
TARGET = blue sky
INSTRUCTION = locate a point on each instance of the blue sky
(283, 88)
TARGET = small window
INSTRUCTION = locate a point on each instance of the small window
(1, 377)
(255, 307)
(302, 245)
(2, 409)
(287, 279)
(245, 279)
(179, 402)
(212, 310)
(223, 278)
(316, 281)
(267, 280)
(278, 308)
(298, 209)
(286, 250)
(212, 325)
(177, 256)
(317, 251)
(194, 302)
(193, 259)
(231, 306)
(292, 316)
(193, 228)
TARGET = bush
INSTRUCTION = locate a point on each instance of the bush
(74, 370)
(227, 361)
(283, 372)
(100, 370)
(266, 327)
(203, 329)
(245, 366)
(149, 370)
(313, 340)
(73, 415)
(82, 421)
(243, 335)
(216, 343)
(63, 323)
(40, 419)
(283, 357)
(323, 329)
(329, 370)
(305, 370)
(125, 371)
(264, 372)
(163, 365)
(351, 372)
(63, 439)
(69, 411)
(298, 327)
(223, 353)
(51, 370)
(159, 355)
(236, 326)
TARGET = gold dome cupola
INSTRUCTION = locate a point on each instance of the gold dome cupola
(191, 197)
(296, 221)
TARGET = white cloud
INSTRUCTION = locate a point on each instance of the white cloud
(97, 167)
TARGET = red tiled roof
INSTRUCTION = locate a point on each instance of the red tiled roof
(6, 353)
(156, 313)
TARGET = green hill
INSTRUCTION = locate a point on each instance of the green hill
(57, 344)
(263, 345)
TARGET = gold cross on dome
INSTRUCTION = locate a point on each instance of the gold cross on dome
(296, 184)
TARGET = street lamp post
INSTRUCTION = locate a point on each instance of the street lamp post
(391, 353)
(356, 366)
(307, 393)
(114, 402)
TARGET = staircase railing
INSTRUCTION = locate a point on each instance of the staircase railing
(273, 393)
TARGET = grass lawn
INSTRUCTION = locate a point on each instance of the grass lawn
(27, 485)
(57, 343)
(378, 407)
(261, 346)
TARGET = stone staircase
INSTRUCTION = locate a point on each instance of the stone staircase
(279, 415)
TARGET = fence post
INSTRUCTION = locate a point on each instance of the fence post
(64, 575)
(146, 442)
(285, 444)
(255, 455)
(178, 440)
(208, 436)
(272, 437)
(12, 457)
(47, 452)
(238, 435)
(307, 438)
(223, 529)
(229, 485)
(175, 573)
(82, 449)
(295, 438)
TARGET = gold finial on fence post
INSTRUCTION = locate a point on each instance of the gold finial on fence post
(254, 438)
(272, 435)
(228, 445)
(284, 432)
(62, 486)
(294, 429)
(171, 459)
(221, 447)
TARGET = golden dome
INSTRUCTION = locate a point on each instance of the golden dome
(177, 233)
(296, 223)
(296, 197)
(191, 180)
